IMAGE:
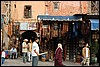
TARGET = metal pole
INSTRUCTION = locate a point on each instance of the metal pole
(2, 34)
(81, 7)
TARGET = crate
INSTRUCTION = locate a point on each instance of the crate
(43, 59)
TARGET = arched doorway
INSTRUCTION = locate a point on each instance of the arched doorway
(29, 34)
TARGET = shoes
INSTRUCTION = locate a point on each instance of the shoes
(2, 64)
(24, 62)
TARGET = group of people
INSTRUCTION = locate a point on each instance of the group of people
(32, 48)
(31, 52)
(27, 50)
(85, 55)
(13, 54)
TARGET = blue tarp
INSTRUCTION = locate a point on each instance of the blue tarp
(94, 24)
(59, 17)
(2, 19)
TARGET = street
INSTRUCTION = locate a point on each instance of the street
(18, 62)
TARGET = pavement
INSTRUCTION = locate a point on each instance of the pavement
(19, 62)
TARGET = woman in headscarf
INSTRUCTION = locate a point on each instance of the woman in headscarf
(58, 56)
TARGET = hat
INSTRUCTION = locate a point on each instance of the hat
(25, 40)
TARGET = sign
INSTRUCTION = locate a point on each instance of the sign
(28, 26)
(24, 26)
(31, 26)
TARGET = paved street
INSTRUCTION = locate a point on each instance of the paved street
(18, 62)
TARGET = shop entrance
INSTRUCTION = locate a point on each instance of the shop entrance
(27, 35)
(64, 32)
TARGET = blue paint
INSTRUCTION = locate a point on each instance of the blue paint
(94, 24)
(45, 17)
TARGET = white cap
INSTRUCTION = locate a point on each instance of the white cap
(25, 40)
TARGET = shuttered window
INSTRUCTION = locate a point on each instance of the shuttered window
(27, 11)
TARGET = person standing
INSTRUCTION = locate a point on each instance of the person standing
(24, 50)
(29, 51)
(86, 55)
(35, 52)
(3, 55)
(58, 56)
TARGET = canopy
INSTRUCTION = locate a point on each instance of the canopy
(94, 24)
(48, 17)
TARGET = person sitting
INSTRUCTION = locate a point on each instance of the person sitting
(13, 52)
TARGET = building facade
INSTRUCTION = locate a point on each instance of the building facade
(23, 19)
(4, 26)
(55, 26)
(23, 11)
(66, 8)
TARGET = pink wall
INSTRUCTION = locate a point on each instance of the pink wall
(38, 7)
(68, 8)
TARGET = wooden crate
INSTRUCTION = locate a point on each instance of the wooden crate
(43, 59)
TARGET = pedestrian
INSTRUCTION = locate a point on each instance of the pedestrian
(35, 52)
(29, 53)
(3, 55)
(24, 50)
(86, 55)
(58, 56)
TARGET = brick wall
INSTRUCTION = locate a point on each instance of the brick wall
(68, 8)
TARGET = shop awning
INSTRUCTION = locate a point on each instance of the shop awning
(47, 17)
(94, 24)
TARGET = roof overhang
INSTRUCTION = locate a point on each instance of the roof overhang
(59, 18)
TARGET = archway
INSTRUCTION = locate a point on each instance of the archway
(27, 35)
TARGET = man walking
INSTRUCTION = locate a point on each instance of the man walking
(35, 52)
(86, 55)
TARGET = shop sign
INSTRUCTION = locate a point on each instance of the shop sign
(31, 26)
(27, 26)
(24, 26)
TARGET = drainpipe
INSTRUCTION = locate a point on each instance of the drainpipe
(46, 10)
(2, 34)
(81, 8)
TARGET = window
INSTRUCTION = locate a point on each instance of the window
(56, 6)
(15, 5)
(27, 11)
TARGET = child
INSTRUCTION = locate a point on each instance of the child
(3, 56)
